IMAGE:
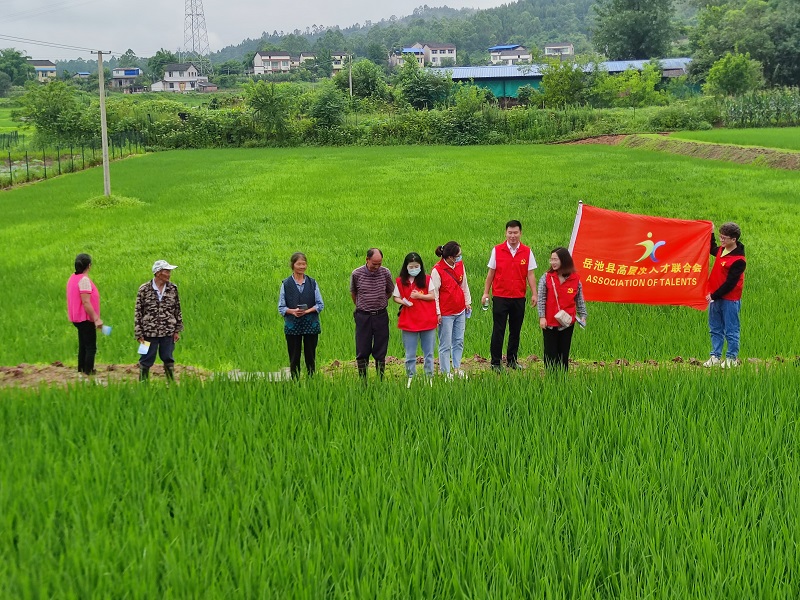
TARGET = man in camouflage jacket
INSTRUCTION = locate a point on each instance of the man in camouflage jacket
(158, 321)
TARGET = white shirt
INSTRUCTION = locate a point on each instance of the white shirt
(159, 292)
(493, 261)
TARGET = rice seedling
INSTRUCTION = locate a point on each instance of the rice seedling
(615, 483)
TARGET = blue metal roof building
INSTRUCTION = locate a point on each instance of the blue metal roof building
(505, 47)
(504, 81)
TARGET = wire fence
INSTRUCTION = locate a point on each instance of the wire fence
(19, 165)
(10, 140)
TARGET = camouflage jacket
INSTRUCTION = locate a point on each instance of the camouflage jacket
(154, 318)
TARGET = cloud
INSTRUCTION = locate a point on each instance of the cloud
(147, 25)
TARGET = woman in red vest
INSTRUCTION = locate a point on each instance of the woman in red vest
(559, 290)
(453, 305)
(725, 295)
(417, 318)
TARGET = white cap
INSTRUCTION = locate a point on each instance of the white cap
(162, 265)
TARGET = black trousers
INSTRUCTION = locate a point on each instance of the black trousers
(511, 311)
(164, 347)
(372, 337)
(87, 346)
(556, 347)
(302, 344)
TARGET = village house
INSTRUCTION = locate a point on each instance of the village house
(431, 54)
(339, 60)
(399, 56)
(561, 49)
(179, 77)
(266, 63)
(509, 54)
(45, 70)
(123, 79)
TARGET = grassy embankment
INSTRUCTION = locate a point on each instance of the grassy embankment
(785, 138)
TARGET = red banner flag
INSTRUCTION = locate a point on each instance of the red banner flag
(639, 259)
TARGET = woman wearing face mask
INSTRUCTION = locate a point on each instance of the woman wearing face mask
(453, 303)
(417, 318)
(559, 290)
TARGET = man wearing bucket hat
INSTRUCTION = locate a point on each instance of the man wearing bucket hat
(158, 321)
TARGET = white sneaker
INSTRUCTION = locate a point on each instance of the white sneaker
(729, 363)
(461, 374)
(408, 383)
(712, 362)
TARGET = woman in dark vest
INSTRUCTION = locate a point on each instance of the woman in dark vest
(300, 303)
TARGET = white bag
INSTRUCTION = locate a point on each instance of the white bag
(563, 318)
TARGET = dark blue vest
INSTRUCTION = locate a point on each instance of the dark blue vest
(307, 324)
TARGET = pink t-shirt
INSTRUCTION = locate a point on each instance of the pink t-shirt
(76, 285)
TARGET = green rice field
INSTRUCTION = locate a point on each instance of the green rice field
(6, 124)
(786, 138)
(655, 480)
(599, 485)
(231, 219)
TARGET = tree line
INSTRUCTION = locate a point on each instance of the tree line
(766, 32)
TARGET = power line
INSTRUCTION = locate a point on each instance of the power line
(43, 10)
(53, 44)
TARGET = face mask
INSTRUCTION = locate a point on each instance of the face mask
(415, 272)
(458, 259)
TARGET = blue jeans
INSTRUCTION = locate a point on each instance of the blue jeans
(451, 341)
(427, 340)
(723, 322)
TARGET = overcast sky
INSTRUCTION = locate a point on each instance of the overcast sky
(147, 25)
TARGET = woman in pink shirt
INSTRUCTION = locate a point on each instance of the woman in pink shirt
(83, 309)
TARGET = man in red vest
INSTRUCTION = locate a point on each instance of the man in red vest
(724, 295)
(511, 269)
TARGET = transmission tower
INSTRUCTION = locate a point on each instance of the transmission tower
(195, 37)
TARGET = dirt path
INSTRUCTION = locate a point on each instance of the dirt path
(33, 375)
(743, 155)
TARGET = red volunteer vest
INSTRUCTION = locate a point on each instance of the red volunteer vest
(567, 292)
(451, 296)
(511, 271)
(719, 274)
(421, 316)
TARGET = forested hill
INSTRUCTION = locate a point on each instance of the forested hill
(529, 22)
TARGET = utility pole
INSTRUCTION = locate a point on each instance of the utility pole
(103, 126)
(351, 76)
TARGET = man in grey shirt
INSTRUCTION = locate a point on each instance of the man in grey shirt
(371, 286)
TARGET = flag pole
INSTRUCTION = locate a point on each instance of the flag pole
(576, 226)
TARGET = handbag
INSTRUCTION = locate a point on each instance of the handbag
(563, 317)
